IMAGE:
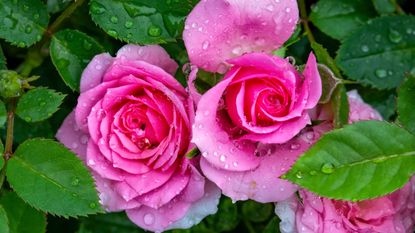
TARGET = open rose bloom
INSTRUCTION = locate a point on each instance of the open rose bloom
(262, 102)
(132, 126)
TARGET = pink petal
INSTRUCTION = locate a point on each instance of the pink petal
(214, 143)
(153, 54)
(94, 72)
(261, 184)
(194, 94)
(359, 110)
(287, 131)
(203, 207)
(109, 198)
(70, 135)
(161, 196)
(98, 163)
(313, 82)
(217, 30)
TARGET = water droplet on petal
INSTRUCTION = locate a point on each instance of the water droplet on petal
(148, 219)
(222, 158)
(205, 45)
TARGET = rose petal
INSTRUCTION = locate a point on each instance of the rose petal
(109, 198)
(205, 206)
(153, 54)
(207, 135)
(217, 30)
(285, 210)
(94, 72)
(359, 110)
(313, 82)
(287, 131)
(261, 184)
(97, 162)
(70, 135)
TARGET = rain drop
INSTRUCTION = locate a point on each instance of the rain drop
(327, 168)
(235, 164)
(394, 36)
(270, 7)
(128, 24)
(92, 205)
(154, 31)
(365, 48)
(148, 219)
(205, 154)
(295, 146)
(205, 45)
(74, 145)
(75, 181)
(28, 29)
(381, 73)
(91, 162)
(299, 175)
(237, 50)
(287, 9)
(222, 158)
(112, 33)
(97, 8)
(114, 19)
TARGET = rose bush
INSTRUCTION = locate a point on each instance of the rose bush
(132, 126)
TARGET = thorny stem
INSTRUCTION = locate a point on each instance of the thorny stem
(304, 20)
(8, 148)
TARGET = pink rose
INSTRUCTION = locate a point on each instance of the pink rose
(389, 214)
(262, 99)
(132, 128)
(217, 30)
(392, 213)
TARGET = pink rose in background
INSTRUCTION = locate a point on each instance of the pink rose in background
(391, 213)
(262, 99)
(217, 30)
(132, 128)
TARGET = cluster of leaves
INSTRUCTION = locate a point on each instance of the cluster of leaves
(373, 43)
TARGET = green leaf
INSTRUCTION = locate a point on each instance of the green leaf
(406, 104)
(144, 22)
(24, 130)
(324, 57)
(39, 104)
(257, 212)
(4, 221)
(380, 53)
(51, 178)
(23, 22)
(3, 114)
(272, 226)
(361, 161)
(22, 218)
(384, 6)
(329, 83)
(71, 51)
(108, 223)
(2, 60)
(55, 6)
(338, 18)
(226, 219)
(340, 106)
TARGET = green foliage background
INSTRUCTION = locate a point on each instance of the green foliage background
(364, 45)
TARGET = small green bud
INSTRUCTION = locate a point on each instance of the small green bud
(10, 84)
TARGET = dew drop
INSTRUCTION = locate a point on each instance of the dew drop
(128, 24)
(112, 33)
(28, 29)
(287, 9)
(299, 175)
(365, 48)
(97, 8)
(222, 158)
(381, 73)
(114, 19)
(148, 219)
(313, 173)
(74, 145)
(395, 36)
(205, 154)
(235, 164)
(91, 162)
(154, 31)
(205, 45)
(75, 181)
(92, 205)
(237, 50)
(327, 168)
(270, 7)
(295, 146)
